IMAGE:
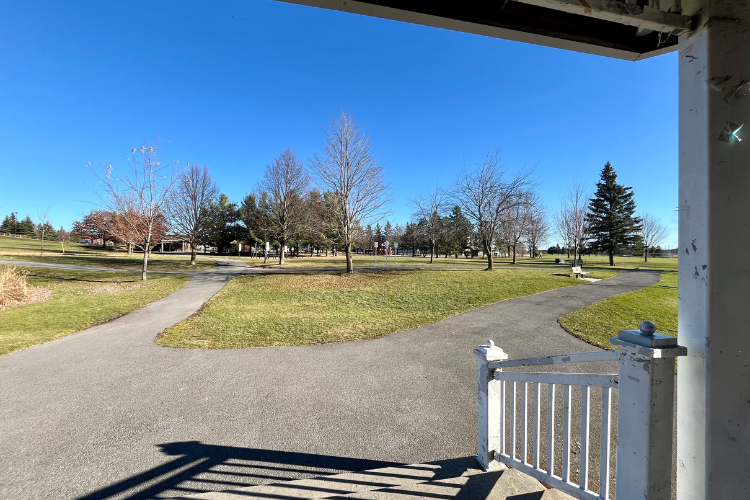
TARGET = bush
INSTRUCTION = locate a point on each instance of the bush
(12, 285)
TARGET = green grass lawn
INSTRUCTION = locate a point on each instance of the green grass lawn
(591, 262)
(598, 322)
(79, 300)
(27, 250)
(314, 308)
(10, 245)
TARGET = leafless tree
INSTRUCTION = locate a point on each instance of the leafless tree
(652, 232)
(139, 196)
(572, 219)
(190, 203)
(348, 168)
(286, 182)
(43, 227)
(538, 227)
(431, 208)
(64, 237)
(487, 196)
(518, 223)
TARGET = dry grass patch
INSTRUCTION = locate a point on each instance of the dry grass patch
(14, 291)
(12, 285)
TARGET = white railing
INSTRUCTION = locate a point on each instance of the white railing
(645, 383)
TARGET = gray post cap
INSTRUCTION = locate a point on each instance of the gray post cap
(646, 336)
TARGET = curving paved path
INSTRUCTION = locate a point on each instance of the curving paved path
(103, 413)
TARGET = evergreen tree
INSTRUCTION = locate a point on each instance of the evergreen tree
(10, 224)
(224, 224)
(459, 231)
(380, 235)
(612, 224)
(27, 227)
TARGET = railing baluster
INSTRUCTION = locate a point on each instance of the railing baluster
(536, 425)
(551, 429)
(502, 417)
(512, 420)
(583, 478)
(524, 423)
(604, 452)
(566, 434)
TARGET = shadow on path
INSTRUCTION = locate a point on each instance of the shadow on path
(201, 468)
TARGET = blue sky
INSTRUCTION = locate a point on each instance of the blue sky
(230, 84)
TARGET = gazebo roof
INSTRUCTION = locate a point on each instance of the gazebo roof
(611, 28)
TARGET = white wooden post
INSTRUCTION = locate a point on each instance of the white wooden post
(489, 406)
(646, 413)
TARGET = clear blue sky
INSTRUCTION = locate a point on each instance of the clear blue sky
(230, 84)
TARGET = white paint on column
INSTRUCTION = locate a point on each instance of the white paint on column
(713, 419)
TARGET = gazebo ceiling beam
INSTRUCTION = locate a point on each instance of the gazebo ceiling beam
(629, 14)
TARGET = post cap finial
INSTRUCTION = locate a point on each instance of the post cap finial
(490, 344)
(647, 328)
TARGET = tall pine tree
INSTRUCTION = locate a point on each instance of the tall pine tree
(612, 224)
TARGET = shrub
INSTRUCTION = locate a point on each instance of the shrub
(12, 285)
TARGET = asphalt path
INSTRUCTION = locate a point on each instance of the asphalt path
(108, 413)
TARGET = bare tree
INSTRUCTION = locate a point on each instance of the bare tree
(43, 227)
(139, 197)
(572, 219)
(64, 237)
(538, 226)
(517, 224)
(431, 208)
(347, 167)
(190, 204)
(286, 182)
(487, 196)
(652, 232)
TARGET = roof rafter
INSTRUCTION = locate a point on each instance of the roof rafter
(618, 11)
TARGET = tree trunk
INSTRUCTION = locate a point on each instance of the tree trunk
(265, 256)
(489, 258)
(514, 253)
(281, 253)
(192, 255)
(611, 258)
(145, 261)
(432, 253)
(645, 255)
(349, 263)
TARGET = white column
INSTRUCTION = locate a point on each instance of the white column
(489, 406)
(645, 420)
(713, 381)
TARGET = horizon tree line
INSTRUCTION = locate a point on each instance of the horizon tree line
(334, 206)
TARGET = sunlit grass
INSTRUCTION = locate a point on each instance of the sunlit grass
(598, 322)
(590, 261)
(27, 250)
(80, 299)
(314, 308)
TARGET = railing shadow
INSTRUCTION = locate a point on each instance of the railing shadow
(199, 468)
(196, 467)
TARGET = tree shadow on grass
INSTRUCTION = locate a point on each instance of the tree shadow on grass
(60, 278)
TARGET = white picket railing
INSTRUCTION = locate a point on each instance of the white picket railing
(645, 383)
(508, 389)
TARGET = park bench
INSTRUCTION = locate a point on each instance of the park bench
(577, 272)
